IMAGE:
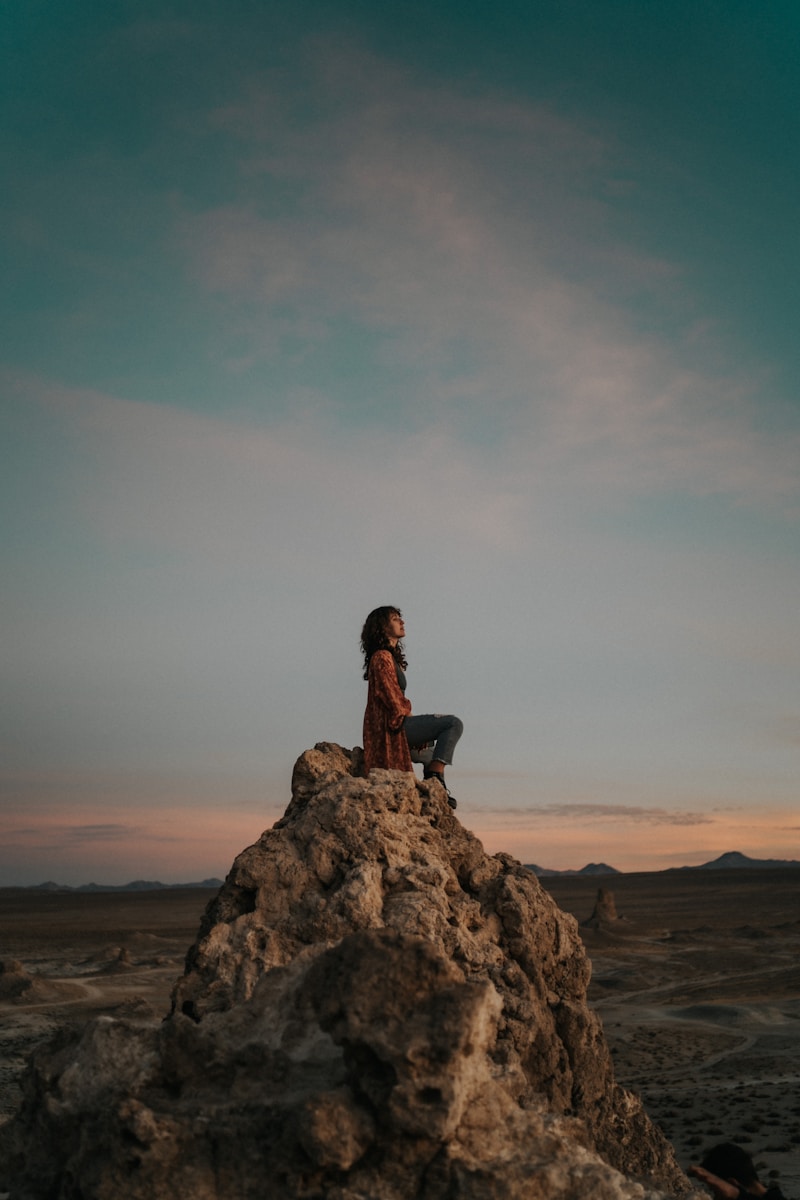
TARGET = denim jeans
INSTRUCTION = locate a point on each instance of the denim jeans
(443, 730)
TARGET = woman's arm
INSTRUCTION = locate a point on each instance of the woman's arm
(386, 688)
(723, 1189)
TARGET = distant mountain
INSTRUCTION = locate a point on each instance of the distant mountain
(589, 869)
(734, 860)
(138, 885)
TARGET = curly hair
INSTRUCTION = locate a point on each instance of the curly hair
(374, 637)
(730, 1161)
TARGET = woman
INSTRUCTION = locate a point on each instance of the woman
(394, 739)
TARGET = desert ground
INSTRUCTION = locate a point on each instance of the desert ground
(698, 986)
(697, 983)
(67, 957)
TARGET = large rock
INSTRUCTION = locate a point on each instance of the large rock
(374, 1008)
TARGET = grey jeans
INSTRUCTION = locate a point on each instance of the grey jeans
(443, 730)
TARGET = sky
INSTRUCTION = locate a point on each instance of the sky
(487, 311)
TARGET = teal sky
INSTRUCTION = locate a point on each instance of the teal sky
(487, 311)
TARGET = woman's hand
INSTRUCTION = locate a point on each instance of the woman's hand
(721, 1188)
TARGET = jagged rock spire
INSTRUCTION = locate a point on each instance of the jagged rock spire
(373, 1007)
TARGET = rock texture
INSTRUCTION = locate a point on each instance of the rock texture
(373, 1008)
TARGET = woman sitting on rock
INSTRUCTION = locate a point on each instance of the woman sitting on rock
(393, 739)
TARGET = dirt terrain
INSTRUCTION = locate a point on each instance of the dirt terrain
(67, 957)
(698, 985)
(697, 982)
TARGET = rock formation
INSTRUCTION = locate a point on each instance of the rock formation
(15, 981)
(373, 1008)
(604, 911)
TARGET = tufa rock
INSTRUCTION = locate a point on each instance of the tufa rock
(15, 981)
(604, 911)
(373, 1008)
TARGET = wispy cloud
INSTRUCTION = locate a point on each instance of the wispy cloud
(102, 833)
(170, 477)
(66, 837)
(548, 813)
(475, 238)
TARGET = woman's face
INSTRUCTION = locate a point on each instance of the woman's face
(395, 629)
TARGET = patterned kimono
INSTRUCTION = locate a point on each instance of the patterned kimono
(385, 742)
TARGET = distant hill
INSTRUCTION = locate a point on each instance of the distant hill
(589, 869)
(138, 885)
(734, 860)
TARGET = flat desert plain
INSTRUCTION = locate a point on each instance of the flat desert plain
(697, 983)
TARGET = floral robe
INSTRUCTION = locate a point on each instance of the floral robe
(385, 742)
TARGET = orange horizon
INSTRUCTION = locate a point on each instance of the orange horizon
(178, 843)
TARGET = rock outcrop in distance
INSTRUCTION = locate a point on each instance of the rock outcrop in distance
(374, 1009)
(604, 912)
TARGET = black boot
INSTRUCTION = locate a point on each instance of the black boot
(428, 773)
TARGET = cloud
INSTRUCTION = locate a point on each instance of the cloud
(593, 813)
(102, 833)
(62, 840)
(472, 240)
(194, 484)
(60, 835)
(203, 522)
(422, 211)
